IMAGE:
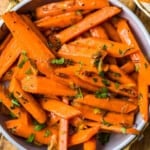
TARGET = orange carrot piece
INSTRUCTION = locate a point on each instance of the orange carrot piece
(43, 85)
(26, 130)
(99, 32)
(111, 31)
(38, 51)
(56, 8)
(59, 108)
(90, 144)
(112, 104)
(88, 22)
(27, 101)
(59, 21)
(80, 54)
(5, 42)
(114, 49)
(9, 56)
(34, 28)
(82, 136)
(128, 67)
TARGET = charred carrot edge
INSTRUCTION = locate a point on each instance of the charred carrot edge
(88, 22)
(56, 8)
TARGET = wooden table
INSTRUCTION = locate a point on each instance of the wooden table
(144, 143)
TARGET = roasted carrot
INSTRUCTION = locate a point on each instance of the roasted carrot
(43, 85)
(9, 55)
(56, 8)
(88, 22)
(99, 32)
(38, 51)
(114, 49)
(111, 31)
(59, 108)
(27, 101)
(110, 104)
(128, 67)
(90, 144)
(5, 42)
(59, 21)
(43, 136)
(82, 136)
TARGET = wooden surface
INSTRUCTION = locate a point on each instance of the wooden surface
(144, 143)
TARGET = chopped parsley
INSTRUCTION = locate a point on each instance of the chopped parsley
(39, 127)
(24, 59)
(116, 74)
(79, 93)
(15, 102)
(47, 133)
(102, 93)
(29, 71)
(59, 61)
(106, 82)
(123, 130)
(30, 139)
(106, 123)
(117, 85)
(104, 47)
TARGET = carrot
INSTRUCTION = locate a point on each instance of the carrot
(82, 136)
(9, 56)
(38, 51)
(88, 22)
(81, 54)
(39, 85)
(90, 144)
(99, 32)
(96, 114)
(118, 75)
(27, 101)
(112, 60)
(59, 108)
(63, 132)
(5, 42)
(128, 67)
(110, 104)
(114, 49)
(59, 21)
(54, 119)
(56, 8)
(111, 31)
(77, 122)
(43, 136)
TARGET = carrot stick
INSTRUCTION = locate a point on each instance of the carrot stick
(111, 31)
(20, 129)
(34, 28)
(59, 108)
(82, 136)
(81, 54)
(87, 23)
(90, 144)
(39, 85)
(27, 101)
(118, 75)
(63, 132)
(9, 56)
(128, 67)
(54, 119)
(99, 32)
(114, 49)
(111, 104)
(59, 21)
(5, 42)
(56, 8)
(38, 51)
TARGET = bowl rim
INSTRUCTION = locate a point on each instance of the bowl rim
(142, 124)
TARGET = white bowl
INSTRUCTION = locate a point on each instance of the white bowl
(117, 141)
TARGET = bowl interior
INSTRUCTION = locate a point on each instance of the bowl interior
(117, 141)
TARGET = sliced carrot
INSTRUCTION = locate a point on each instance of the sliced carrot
(59, 21)
(27, 101)
(128, 67)
(38, 51)
(90, 144)
(114, 49)
(56, 8)
(88, 22)
(111, 31)
(111, 104)
(82, 136)
(59, 108)
(43, 85)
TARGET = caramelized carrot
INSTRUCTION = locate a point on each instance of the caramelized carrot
(128, 67)
(5, 42)
(88, 22)
(90, 144)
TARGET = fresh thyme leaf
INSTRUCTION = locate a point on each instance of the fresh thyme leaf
(15, 102)
(30, 139)
(79, 12)
(59, 61)
(39, 127)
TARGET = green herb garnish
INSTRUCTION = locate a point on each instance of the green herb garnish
(117, 85)
(79, 93)
(102, 93)
(106, 82)
(24, 59)
(106, 123)
(30, 139)
(59, 61)
(39, 127)
(15, 102)
(47, 133)
(29, 71)
(102, 74)
(124, 130)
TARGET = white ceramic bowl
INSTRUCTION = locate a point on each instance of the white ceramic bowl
(117, 141)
